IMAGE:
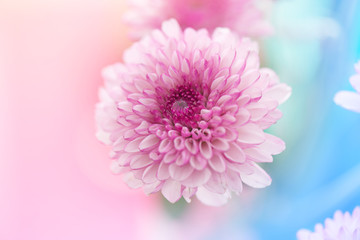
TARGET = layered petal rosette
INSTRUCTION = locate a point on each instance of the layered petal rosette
(343, 226)
(185, 114)
(242, 16)
(351, 100)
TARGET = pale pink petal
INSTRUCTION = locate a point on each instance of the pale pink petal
(280, 92)
(149, 175)
(163, 171)
(140, 161)
(355, 82)
(210, 198)
(191, 145)
(148, 142)
(258, 155)
(197, 178)
(251, 134)
(188, 193)
(235, 153)
(357, 67)
(303, 234)
(248, 78)
(171, 190)
(165, 145)
(272, 144)
(131, 181)
(258, 179)
(220, 144)
(198, 162)
(217, 163)
(216, 184)
(152, 187)
(242, 168)
(233, 181)
(180, 173)
(133, 146)
(348, 100)
(170, 157)
(205, 149)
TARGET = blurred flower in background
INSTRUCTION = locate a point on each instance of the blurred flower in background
(347, 99)
(246, 17)
(344, 226)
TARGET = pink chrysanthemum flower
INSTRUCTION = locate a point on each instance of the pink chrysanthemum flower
(185, 114)
(347, 99)
(342, 227)
(242, 16)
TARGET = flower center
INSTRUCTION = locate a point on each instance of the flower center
(183, 105)
(179, 106)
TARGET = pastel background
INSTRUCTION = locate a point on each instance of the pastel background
(55, 181)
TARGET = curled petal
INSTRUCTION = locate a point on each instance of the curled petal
(205, 149)
(217, 163)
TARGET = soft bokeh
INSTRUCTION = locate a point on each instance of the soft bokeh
(55, 181)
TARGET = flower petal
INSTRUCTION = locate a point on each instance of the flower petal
(205, 149)
(280, 92)
(171, 190)
(163, 171)
(220, 144)
(165, 145)
(272, 144)
(251, 134)
(258, 179)
(210, 198)
(198, 162)
(216, 184)
(348, 100)
(180, 173)
(150, 172)
(355, 82)
(217, 162)
(233, 181)
(191, 145)
(133, 146)
(235, 153)
(197, 178)
(258, 155)
(149, 142)
(140, 161)
(131, 181)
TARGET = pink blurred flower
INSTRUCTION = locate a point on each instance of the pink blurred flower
(342, 227)
(242, 16)
(185, 114)
(347, 99)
